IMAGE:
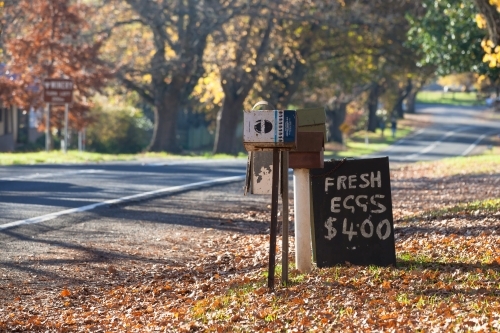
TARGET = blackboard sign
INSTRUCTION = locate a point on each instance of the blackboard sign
(353, 213)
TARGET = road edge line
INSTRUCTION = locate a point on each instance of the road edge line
(481, 138)
(127, 199)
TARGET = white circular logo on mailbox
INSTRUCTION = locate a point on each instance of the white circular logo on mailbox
(263, 126)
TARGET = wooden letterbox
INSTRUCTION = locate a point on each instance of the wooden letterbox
(309, 152)
(269, 129)
(312, 120)
(310, 140)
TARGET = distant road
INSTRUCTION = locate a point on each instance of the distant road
(455, 131)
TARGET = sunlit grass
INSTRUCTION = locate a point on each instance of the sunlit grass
(479, 206)
(488, 162)
(357, 144)
(58, 157)
(450, 98)
(73, 156)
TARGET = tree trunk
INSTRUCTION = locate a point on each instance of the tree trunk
(167, 104)
(410, 101)
(373, 106)
(282, 85)
(335, 117)
(228, 119)
(398, 108)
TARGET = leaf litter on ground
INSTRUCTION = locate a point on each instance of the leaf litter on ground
(447, 228)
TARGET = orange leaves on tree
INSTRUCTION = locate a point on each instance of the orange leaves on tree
(50, 43)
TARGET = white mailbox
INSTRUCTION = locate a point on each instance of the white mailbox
(268, 129)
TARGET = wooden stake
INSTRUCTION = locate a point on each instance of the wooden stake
(274, 217)
(284, 200)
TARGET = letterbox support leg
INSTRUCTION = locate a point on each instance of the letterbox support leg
(284, 197)
(302, 207)
(274, 217)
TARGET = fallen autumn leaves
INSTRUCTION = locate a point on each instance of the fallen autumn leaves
(447, 279)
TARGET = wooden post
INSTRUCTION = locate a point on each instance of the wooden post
(284, 200)
(274, 217)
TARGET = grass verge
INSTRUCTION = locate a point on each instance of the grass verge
(478, 207)
(54, 157)
(488, 162)
(357, 146)
(450, 98)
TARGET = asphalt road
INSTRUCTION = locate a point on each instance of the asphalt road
(38, 193)
(456, 131)
(32, 192)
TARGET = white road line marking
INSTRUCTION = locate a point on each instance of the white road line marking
(435, 144)
(129, 198)
(408, 138)
(49, 175)
(188, 162)
(472, 146)
(399, 142)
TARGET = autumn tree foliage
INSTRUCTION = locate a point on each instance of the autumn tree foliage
(50, 39)
(489, 18)
(240, 55)
(177, 33)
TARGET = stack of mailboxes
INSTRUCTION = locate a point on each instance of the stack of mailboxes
(311, 137)
(301, 132)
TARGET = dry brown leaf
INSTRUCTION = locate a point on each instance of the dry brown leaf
(65, 293)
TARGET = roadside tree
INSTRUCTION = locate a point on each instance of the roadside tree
(48, 39)
(176, 35)
(239, 51)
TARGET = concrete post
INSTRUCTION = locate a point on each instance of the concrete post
(65, 148)
(302, 206)
(47, 128)
(80, 138)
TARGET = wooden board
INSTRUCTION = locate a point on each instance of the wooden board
(310, 117)
(306, 160)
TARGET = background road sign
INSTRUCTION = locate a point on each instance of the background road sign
(58, 91)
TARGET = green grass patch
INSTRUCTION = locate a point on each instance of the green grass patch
(475, 207)
(73, 156)
(59, 157)
(357, 144)
(413, 260)
(488, 162)
(485, 163)
(449, 98)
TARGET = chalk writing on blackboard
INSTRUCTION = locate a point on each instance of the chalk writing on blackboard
(353, 213)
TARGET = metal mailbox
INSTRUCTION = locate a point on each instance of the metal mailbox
(269, 129)
(310, 140)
